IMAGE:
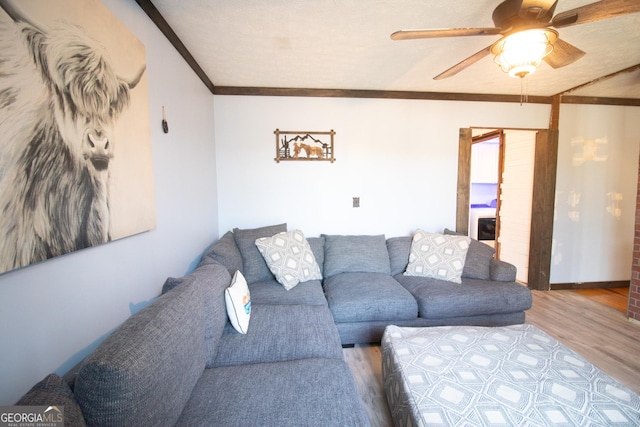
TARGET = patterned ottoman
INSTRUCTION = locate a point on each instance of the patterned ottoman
(510, 376)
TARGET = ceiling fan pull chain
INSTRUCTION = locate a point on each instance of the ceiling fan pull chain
(524, 89)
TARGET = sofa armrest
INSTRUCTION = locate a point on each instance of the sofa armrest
(502, 271)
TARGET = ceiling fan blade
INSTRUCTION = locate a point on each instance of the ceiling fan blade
(443, 32)
(464, 64)
(563, 54)
(603, 9)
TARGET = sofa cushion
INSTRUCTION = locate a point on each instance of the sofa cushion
(399, 249)
(145, 371)
(271, 292)
(308, 392)
(238, 301)
(226, 252)
(362, 297)
(438, 299)
(216, 278)
(349, 254)
(289, 257)
(253, 266)
(477, 265)
(437, 256)
(53, 390)
(503, 271)
(317, 247)
(281, 332)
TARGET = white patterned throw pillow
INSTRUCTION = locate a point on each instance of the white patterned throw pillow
(238, 301)
(289, 257)
(437, 256)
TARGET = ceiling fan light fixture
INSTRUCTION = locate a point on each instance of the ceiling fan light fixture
(519, 54)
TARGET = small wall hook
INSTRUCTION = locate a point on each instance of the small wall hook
(165, 125)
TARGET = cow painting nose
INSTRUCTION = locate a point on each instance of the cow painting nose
(99, 150)
(98, 141)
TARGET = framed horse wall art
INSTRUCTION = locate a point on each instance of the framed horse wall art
(310, 146)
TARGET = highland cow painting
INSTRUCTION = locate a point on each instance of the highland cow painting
(75, 152)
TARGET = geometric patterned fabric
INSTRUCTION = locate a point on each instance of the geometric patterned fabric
(437, 256)
(489, 376)
(289, 257)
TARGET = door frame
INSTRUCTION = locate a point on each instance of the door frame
(543, 198)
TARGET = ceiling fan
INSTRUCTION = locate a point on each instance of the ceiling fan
(530, 20)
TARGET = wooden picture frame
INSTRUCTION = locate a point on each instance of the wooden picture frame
(307, 146)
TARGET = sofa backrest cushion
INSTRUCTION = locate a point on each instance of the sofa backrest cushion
(399, 249)
(226, 252)
(317, 247)
(53, 390)
(477, 265)
(355, 254)
(145, 371)
(215, 276)
(254, 268)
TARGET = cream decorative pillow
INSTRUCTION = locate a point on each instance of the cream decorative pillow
(289, 257)
(238, 301)
(437, 256)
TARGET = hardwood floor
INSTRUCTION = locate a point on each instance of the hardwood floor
(592, 324)
(365, 362)
(617, 298)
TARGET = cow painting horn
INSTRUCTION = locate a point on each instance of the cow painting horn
(137, 78)
(12, 9)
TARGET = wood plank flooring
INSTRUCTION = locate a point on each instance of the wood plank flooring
(365, 362)
(592, 324)
(617, 298)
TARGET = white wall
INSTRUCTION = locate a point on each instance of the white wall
(54, 313)
(595, 193)
(399, 156)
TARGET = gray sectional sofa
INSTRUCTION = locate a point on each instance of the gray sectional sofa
(179, 361)
(365, 287)
(488, 294)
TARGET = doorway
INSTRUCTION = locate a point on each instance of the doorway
(486, 174)
(541, 207)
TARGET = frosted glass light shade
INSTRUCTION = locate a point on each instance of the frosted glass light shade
(519, 54)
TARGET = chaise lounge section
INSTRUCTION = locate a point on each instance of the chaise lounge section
(179, 361)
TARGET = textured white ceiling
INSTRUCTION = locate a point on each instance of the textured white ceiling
(345, 44)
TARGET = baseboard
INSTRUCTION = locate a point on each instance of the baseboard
(590, 285)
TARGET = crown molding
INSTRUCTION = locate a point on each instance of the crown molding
(166, 29)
